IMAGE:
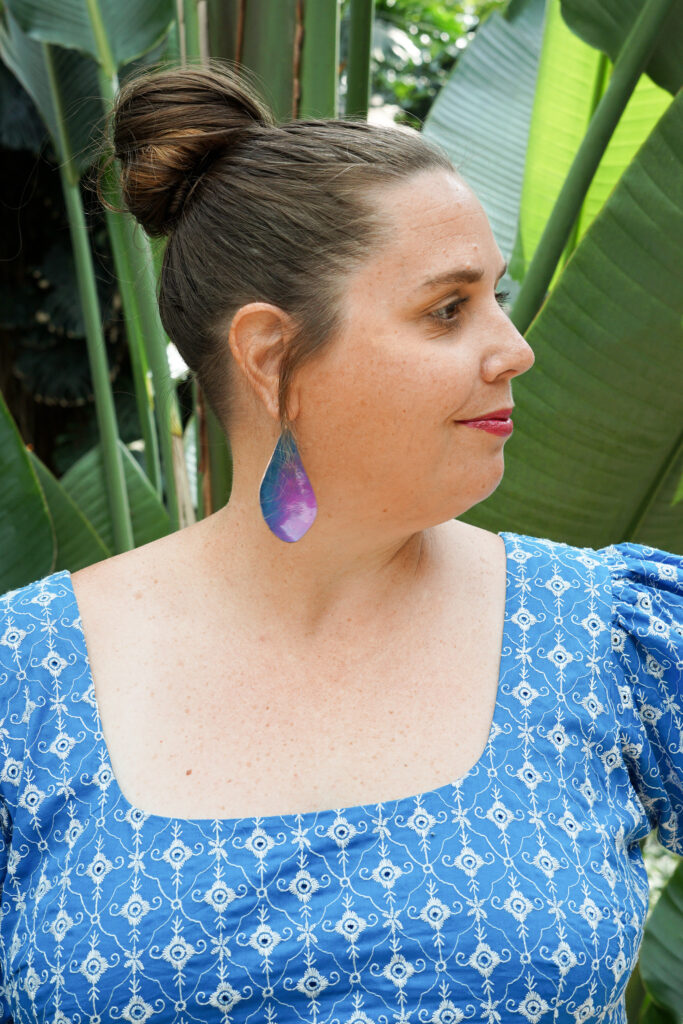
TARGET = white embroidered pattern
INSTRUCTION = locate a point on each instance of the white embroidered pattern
(515, 893)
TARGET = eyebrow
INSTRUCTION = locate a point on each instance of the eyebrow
(458, 275)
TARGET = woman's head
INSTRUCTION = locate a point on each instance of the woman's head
(254, 210)
(293, 286)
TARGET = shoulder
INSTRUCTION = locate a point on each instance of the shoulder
(135, 586)
(150, 566)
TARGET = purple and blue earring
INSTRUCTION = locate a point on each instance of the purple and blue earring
(287, 500)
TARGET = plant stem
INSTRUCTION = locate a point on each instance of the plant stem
(136, 347)
(140, 265)
(112, 463)
(628, 67)
(361, 16)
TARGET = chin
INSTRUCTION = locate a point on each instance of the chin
(489, 485)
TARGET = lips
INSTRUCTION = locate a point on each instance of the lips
(498, 414)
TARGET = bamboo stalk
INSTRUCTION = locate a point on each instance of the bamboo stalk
(628, 67)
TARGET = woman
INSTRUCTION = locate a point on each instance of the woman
(331, 754)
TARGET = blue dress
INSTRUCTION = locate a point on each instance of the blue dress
(514, 893)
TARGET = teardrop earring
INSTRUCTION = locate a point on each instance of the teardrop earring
(287, 500)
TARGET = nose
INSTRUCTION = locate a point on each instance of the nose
(525, 353)
(511, 346)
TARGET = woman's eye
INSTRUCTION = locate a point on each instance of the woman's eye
(444, 309)
(451, 319)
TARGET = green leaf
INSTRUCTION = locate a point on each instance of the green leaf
(482, 114)
(566, 96)
(652, 1013)
(597, 453)
(515, 146)
(605, 25)
(27, 540)
(646, 106)
(84, 482)
(128, 28)
(571, 80)
(661, 952)
(78, 543)
(79, 90)
(634, 994)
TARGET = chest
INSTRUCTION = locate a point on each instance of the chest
(198, 723)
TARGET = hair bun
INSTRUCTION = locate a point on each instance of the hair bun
(168, 127)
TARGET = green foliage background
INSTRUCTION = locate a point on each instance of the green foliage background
(440, 31)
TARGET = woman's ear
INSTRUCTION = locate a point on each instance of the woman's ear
(258, 336)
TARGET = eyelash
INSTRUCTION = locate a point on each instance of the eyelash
(451, 323)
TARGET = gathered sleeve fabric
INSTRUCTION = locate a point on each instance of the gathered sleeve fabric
(647, 648)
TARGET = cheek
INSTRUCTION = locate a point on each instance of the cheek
(371, 395)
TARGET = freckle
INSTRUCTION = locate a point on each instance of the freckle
(189, 771)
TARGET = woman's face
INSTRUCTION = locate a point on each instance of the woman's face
(376, 413)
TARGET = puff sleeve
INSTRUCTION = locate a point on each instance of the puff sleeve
(647, 649)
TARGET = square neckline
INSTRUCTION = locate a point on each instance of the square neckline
(294, 819)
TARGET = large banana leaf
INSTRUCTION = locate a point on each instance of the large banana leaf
(48, 524)
(51, 86)
(80, 101)
(39, 27)
(606, 24)
(481, 116)
(26, 534)
(597, 454)
(661, 956)
(512, 116)
(572, 78)
(77, 543)
(84, 483)
(129, 27)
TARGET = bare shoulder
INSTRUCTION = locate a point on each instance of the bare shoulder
(130, 580)
(476, 552)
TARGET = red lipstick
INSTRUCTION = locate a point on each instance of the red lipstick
(497, 422)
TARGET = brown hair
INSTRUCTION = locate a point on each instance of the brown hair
(255, 211)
